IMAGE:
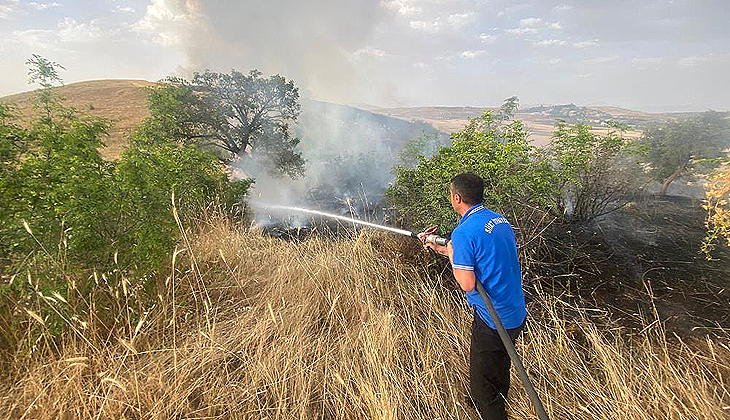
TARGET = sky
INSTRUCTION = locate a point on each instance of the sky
(651, 55)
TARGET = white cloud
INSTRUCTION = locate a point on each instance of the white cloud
(555, 25)
(487, 38)
(521, 31)
(5, 11)
(562, 8)
(403, 8)
(426, 26)
(473, 54)
(548, 42)
(586, 44)
(72, 31)
(43, 6)
(530, 22)
(420, 65)
(369, 51)
(123, 9)
(554, 61)
(459, 20)
(165, 20)
(531, 25)
(454, 21)
(34, 39)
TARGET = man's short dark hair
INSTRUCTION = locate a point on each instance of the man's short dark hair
(469, 186)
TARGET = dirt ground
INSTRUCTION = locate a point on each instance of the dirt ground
(644, 258)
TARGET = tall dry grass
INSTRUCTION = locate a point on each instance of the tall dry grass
(251, 327)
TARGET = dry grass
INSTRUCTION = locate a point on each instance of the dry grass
(122, 102)
(251, 327)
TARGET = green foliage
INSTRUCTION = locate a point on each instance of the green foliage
(594, 172)
(66, 212)
(146, 178)
(516, 177)
(238, 115)
(55, 180)
(683, 146)
(45, 73)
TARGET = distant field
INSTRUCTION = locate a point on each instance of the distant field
(123, 102)
(540, 121)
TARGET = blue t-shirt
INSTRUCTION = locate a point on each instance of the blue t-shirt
(485, 244)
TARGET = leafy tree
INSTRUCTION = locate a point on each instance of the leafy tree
(517, 179)
(240, 116)
(594, 172)
(676, 148)
(45, 73)
(507, 111)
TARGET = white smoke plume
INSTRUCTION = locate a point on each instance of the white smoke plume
(312, 42)
(319, 45)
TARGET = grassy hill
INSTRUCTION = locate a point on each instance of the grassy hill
(123, 102)
(540, 121)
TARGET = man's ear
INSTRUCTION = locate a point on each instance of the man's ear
(457, 198)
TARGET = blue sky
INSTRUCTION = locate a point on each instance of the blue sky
(642, 54)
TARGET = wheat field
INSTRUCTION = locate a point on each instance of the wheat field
(250, 327)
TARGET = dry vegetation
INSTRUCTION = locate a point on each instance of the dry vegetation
(248, 327)
(122, 102)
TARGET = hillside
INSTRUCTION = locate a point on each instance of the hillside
(539, 120)
(123, 102)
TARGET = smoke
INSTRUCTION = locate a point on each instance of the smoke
(312, 42)
(349, 157)
(321, 45)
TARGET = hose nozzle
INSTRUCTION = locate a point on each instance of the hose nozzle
(435, 239)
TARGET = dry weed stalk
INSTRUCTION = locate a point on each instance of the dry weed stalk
(348, 328)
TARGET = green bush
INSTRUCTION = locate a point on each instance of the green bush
(146, 178)
(595, 173)
(517, 177)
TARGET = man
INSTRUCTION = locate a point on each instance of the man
(483, 247)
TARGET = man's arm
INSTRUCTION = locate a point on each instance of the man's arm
(465, 278)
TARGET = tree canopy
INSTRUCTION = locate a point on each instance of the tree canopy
(236, 115)
(678, 147)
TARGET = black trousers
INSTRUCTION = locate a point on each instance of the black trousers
(489, 366)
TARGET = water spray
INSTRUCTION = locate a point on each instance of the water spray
(430, 236)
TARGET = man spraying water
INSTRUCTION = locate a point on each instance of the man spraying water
(483, 248)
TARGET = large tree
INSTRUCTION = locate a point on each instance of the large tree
(678, 147)
(238, 115)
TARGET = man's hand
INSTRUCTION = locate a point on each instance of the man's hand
(446, 251)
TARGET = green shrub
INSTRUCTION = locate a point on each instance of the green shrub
(517, 177)
(146, 178)
(595, 173)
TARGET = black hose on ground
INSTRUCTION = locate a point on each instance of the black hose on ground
(507, 341)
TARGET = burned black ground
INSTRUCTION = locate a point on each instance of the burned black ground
(641, 263)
